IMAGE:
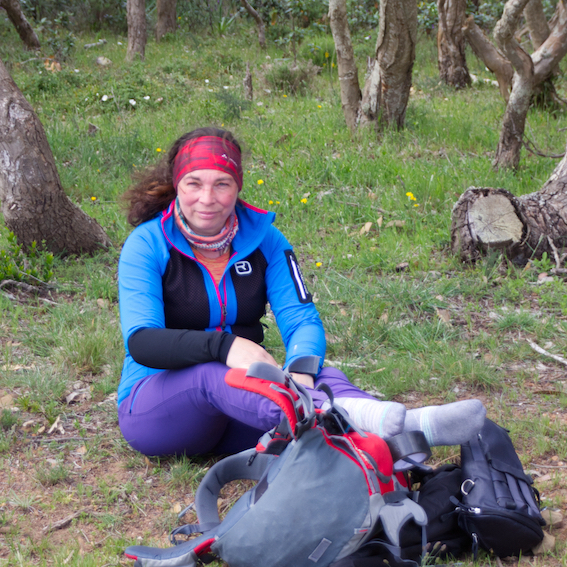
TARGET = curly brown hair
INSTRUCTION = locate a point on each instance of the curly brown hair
(153, 189)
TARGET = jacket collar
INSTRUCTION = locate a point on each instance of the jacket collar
(252, 221)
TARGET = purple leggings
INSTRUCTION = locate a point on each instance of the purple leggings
(194, 411)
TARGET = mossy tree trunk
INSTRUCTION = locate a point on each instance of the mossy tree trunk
(23, 27)
(166, 18)
(451, 57)
(523, 227)
(137, 32)
(34, 204)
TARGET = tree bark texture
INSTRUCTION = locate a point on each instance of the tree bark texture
(485, 218)
(370, 104)
(484, 49)
(166, 18)
(348, 72)
(451, 58)
(259, 23)
(490, 56)
(137, 34)
(554, 48)
(536, 22)
(511, 136)
(23, 27)
(34, 205)
(395, 54)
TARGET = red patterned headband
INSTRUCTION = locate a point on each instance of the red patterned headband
(208, 152)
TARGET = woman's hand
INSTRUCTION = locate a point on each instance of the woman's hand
(243, 353)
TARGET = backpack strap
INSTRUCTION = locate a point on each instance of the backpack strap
(274, 384)
(245, 465)
(399, 508)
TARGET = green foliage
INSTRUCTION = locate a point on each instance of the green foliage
(8, 419)
(34, 267)
(83, 15)
(363, 15)
(57, 35)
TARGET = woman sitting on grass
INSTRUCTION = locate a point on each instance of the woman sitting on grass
(194, 279)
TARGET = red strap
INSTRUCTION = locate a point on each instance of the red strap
(377, 448)
(236, 377)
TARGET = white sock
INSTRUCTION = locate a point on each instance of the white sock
(449, 424)
(385, 419)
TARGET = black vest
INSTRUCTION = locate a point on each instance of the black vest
(187, 303)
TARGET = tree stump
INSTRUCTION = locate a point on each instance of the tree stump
(523, 227)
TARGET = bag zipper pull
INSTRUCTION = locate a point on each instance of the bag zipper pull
(475, 546)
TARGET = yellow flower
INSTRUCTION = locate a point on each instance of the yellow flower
(319, 264)
(319, 106)
(326, 54)
(270, 202)
(277, 202)
(260, 181)
(158, 150)
(304, 201)
(93, 199)
(178, 17)
(409, 194)
(285, 96)
(416, 205)
(332, 64)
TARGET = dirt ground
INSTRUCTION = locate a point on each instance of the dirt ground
(107, 492)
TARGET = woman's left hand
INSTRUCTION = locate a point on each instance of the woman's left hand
(305, 379)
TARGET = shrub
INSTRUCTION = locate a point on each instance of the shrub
(33, 267)
(289, 77)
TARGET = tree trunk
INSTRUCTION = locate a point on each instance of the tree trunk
(348, 72)
(136, 15)
(395, 54)
(34, 205)
(166, 17)
(512, 133)
(536, 22)
(523, 227)
(490, 56)
(259, 23)
(451, 43)
(23, 27)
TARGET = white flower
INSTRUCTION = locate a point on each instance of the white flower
(226, 88)
(210, 90)
(86, 99)
(132, 102)
(206, 80)
(77, 71)
(147, 97)
(104, 98)
(367, 37)
(119, 42)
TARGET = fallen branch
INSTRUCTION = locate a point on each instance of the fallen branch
(533, 150)
(65, 522)
(22, 285)
(556, 357)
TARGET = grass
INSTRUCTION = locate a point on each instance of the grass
(432, 332)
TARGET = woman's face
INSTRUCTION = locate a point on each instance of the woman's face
(207, 197)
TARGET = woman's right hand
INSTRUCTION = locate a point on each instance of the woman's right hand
(243, 353)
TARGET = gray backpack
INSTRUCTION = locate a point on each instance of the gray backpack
(323, 490)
